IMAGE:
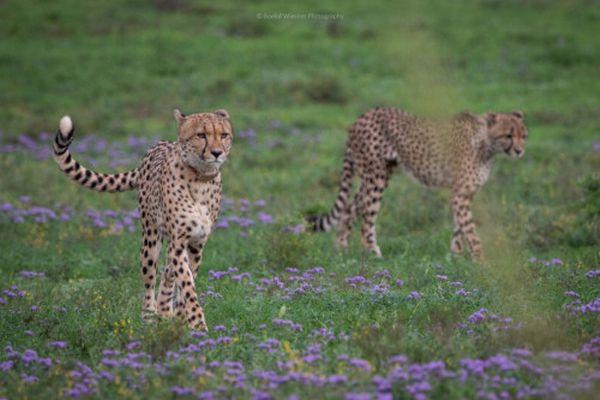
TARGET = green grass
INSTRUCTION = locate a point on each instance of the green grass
(120, 67)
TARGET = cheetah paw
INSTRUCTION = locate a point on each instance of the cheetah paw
(199, 326)
(478, 257)
(149, 316)
(376, 251)
(341, 244)
(456, 246)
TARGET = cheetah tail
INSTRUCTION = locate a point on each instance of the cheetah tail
(85, 177)
(322, 223)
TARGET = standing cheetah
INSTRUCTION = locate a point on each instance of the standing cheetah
(179, 194)
(457, 154)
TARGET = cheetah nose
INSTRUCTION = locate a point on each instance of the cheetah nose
(518, 151)
(216, 153)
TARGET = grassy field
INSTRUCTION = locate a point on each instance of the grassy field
(289, 314)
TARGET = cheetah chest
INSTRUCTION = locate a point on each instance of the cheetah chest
(207, 196)
(483, 172)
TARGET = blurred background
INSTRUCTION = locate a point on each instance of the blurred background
(294, 77)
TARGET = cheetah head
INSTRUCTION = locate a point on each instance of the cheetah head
(507, 133)
(205, 139)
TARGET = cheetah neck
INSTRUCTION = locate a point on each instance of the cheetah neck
(484, 146)
(200, 172)
(487, 152)
(203, 174)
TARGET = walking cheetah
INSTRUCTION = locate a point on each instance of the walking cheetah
(457, 154)
(179, 194)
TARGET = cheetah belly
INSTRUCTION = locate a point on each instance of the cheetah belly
(434, 178)
(429, 170)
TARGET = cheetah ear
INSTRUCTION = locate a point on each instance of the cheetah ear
(178, 116)
(518, 113)
(491, 118)
(222, 113)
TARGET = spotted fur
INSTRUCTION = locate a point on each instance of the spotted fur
(456, 154)
(179, 194)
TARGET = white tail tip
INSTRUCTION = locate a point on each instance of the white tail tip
(66, 125)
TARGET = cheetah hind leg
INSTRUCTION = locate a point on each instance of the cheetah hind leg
(347, 218)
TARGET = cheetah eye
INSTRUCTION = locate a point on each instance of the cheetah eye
(224, 135)
(202, 135)
(510, 133)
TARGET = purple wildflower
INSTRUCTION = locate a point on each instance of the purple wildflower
(29, 356)
(31, 274)
(265, 218)
(398, 359)
(358, 396)
(478, 316)
(593, 273)
(287, 323)
(29, 378)
(357, 280)
(414, 295)
(337, 379)
(360, 364)
(294, 229)
(182, 391)
(6, 365)
(562, 356)
(592, 307)
(133, 345)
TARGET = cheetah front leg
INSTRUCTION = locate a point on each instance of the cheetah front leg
(149, 254)
(194, 251)
(461, 208)
(456, 243)
(166, 289)
(179, 273)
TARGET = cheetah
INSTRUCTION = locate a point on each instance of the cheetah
(456, 154)
(179, 196)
